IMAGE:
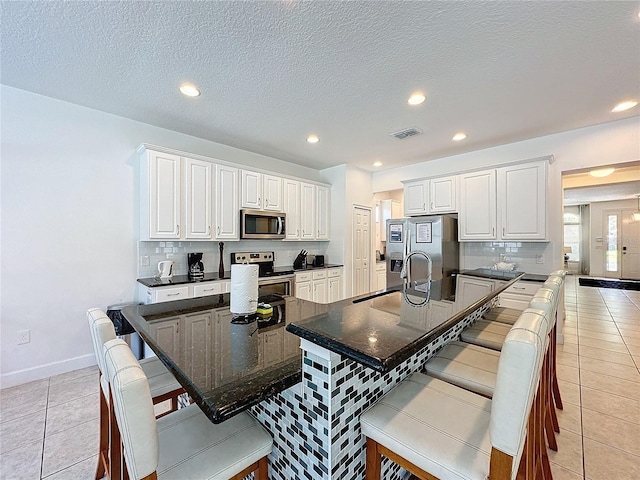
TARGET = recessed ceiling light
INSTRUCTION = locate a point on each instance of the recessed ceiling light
(416, 98)
(313, 139)
(602, 172)
(622, 106)
(458, 136)
(189, 90)
(377, 164)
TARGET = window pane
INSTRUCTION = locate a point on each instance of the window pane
(611, 262)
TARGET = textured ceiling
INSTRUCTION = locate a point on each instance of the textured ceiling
(273, 72)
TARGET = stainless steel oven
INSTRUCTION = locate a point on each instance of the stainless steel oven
(281, 284)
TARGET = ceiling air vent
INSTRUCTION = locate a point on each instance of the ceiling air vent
(406, 132)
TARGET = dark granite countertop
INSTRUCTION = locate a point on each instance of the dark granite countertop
(383, 330)
(226, 364)
(311, 267)
(182, 279)
(504, 274)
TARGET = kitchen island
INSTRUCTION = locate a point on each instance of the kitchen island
(306, 373)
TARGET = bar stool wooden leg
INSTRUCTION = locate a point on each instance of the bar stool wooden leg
(373, 461)
(102, 468)
(556, 389)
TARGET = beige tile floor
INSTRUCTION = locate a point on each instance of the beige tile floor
(49, 428)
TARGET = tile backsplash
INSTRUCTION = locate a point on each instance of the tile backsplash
(285, 253)
(526, 255)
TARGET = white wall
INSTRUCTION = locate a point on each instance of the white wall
(68, 239)
(610, 143)
(351, 187)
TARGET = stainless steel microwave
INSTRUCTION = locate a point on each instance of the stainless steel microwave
(256, 224)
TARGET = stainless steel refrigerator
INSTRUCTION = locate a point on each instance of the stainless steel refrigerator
(434, 235)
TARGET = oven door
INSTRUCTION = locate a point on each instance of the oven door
(282, 285)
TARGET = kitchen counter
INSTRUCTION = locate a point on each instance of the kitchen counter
(182, 279)
(384, 330)
(311, 267)
(308, 372)
(504, 274)
(223, 362)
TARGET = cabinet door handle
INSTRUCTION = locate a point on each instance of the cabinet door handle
(297, 232)
(266, 202)
(173, 294)
(259, 201)
(493, 231)
(431, 205)
(518, 288)
(178, 229)
(209, 230)
(503, 230)
(218, 229)
(424, 206)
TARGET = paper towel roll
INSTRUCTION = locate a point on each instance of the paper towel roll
(244, 289)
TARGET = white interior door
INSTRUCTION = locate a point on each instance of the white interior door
(630, 241)
(361, 250)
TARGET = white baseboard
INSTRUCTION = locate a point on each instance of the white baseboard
(19, 377)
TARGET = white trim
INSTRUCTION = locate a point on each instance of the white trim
(145, 147)
(321, 352)
(44, 371)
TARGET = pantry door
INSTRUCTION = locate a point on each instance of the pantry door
(361, 251)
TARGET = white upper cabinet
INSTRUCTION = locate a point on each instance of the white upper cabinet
(442, 193)
(261, 191)
(477, 218)
(323, 212)
(226, 208)
(198, 204)
(272, 193)
(435, 195)
(522, 190)
(416, 195)
(291, 204)
(307, 211)
(507, 203)
(251, 190)
(160, 196)
(196, 198)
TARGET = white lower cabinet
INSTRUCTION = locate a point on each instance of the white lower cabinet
(470, 289)
(381, 276)
(158, 295)
(519, 295)
(149, 295)
(320, 286)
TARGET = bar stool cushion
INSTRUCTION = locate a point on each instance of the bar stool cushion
(473, 367)
(438, 427)
(486, 334)
(502, 315)
(183, 444)
(468, 366)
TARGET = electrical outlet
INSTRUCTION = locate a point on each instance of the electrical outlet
(144, 261)
(24, 336)
(540, 258)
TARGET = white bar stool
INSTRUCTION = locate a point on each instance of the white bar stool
(184, 444)
(436, 429)
(162, 383)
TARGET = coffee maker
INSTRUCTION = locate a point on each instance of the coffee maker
(196, 267)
